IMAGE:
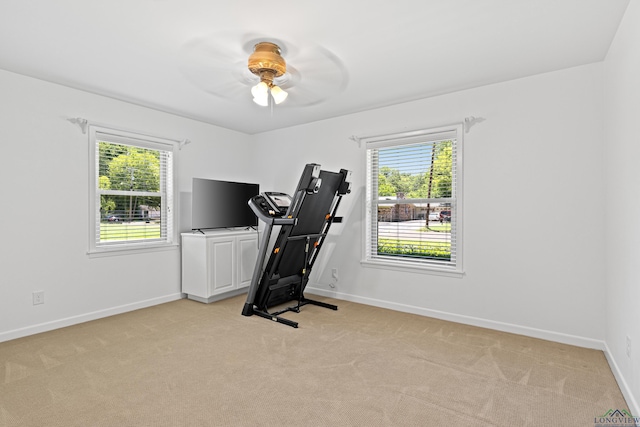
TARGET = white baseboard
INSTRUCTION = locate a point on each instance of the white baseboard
(624, 387)
(74, 320)
(218, 297)
(467, 320)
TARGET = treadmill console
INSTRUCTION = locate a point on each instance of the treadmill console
(273, 204)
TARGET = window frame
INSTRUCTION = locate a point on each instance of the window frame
(447, 268)
(168, 185)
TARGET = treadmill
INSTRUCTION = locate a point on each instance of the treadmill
(304, 222)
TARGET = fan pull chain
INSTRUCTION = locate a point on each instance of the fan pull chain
(271, 102)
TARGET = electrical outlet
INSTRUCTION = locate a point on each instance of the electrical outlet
(628, 346)
(334, 278)
(38, 297)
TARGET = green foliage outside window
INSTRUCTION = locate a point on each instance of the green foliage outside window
(416, 186)
(408, 248)
(127, 168)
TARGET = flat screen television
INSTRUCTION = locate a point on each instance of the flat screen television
(222, 204)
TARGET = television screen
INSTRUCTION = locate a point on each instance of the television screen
(222, 204)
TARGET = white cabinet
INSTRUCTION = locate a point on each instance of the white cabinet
(218, 264)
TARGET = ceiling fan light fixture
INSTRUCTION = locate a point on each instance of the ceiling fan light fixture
(266, 63)
(259, 90)
(278, 94)
(262, 100)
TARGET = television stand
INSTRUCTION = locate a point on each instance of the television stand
(218, 264)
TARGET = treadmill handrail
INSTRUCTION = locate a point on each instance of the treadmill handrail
(306, 236)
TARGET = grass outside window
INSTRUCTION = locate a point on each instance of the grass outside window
(129, 231)
(414, 248)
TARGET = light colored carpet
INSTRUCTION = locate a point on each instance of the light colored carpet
(189, 364)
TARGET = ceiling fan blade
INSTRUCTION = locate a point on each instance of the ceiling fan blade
(215, 64)
(306, 96)
(230, 90)
(316, 75)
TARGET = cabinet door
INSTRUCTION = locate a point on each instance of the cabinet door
(194, 267)
(247, 255)
(222, 268)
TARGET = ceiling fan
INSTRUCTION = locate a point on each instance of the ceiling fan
(240, 68)
(266, 63)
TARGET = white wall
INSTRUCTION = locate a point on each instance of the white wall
(622, 156)
(44, 191)
(533, 239)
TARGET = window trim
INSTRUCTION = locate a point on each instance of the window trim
(456, 269)
(120, 136)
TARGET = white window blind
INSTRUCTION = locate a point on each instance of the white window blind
(413, 199)
(132, 188)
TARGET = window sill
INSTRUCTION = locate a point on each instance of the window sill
(411, 268)
(117, 251)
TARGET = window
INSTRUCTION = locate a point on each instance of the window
(132, 186)
(414, 200)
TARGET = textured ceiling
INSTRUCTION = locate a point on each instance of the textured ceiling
(188, 57)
